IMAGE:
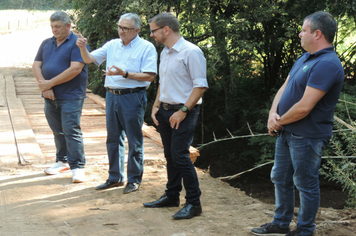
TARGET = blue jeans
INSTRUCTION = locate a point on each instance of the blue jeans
(63, 117)
(124, 116)
(176, 144)
(297, 163)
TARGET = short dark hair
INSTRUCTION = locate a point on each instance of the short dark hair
(324, 22)
(60, 16)
(166, 19)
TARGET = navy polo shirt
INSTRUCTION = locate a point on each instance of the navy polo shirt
(55, 60)
(321, 70)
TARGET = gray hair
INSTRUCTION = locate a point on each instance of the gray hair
(324, 22)
(60, 16)
(166, 19)
(132, 16)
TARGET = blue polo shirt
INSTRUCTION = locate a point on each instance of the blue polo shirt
(321, 70)
(55, 60)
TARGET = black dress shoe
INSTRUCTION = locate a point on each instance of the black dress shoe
(109, 184)
(131, 187)
(163, 201)
(188, 212)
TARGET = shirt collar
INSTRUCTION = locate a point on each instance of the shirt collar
(320, 52)
(176, 47)
(132, 43)
(54, 40)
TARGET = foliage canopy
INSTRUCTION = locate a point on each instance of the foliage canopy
(250, 46)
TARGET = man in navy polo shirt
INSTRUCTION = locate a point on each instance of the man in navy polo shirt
(302, 116)
(62, 77)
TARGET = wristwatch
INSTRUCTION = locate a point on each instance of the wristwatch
(126, 75)
(184, 109)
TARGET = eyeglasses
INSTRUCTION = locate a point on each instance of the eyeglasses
(124, 29)
(153, 31)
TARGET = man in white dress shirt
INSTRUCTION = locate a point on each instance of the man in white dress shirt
(132, 66)
(176, 110)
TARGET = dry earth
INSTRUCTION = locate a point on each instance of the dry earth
(32, 203)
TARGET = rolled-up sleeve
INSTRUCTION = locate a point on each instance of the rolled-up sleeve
(197, 68)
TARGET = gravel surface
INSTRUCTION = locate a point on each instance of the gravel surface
(19, 48)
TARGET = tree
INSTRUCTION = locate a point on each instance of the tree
(32, 4)
(250, 46)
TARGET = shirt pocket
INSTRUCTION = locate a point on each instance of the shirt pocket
(180, 67)
(134, 65)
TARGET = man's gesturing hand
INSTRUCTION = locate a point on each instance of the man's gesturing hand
(81, 42)
(114, 70)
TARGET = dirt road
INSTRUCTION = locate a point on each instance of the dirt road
(33, 204)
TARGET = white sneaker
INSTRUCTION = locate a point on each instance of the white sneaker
(57, 168)
(78, 175)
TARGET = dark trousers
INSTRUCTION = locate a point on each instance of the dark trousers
(176, 144)
(63, 117)
(124, 116)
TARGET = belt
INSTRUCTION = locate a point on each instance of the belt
(125, 91)
(167, 106)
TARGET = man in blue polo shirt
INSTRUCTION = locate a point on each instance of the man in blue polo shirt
(62, 77)
(132, 66)
(302, 116)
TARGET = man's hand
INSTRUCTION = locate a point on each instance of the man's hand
(154, 113)
(177, 118)
(273, 125)
(114, 70)
(49, 94)
(45, 85)
(81, 42)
